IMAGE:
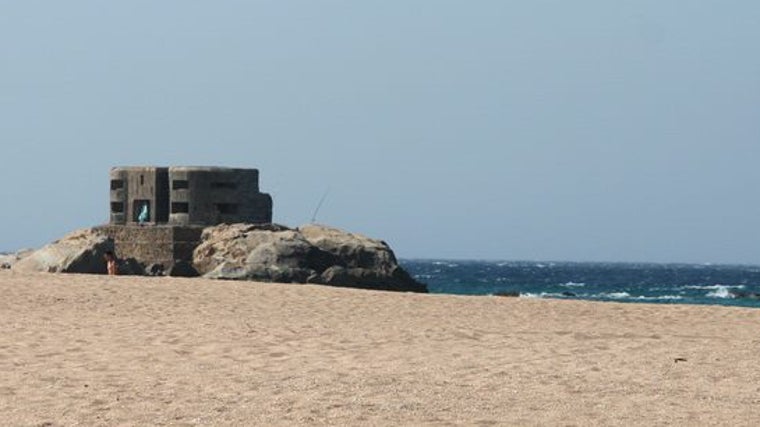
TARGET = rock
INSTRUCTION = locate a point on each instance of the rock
(354, 250)
(79, 252)
(155, 269)
(130, 267)
(367, 263)
(7, 260)
(264, 252)
(253, 252)
(310, 254)
(369, 279)
(745, 295)
(182, 268)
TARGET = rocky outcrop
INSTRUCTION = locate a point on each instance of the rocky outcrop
(311, 254)
(265, 252)
(744, 295)
(7, 260)
(362, 261)
(79, 252)
(181, 268)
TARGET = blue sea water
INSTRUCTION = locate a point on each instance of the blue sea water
(737, 285)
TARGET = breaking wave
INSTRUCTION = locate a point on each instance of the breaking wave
(714, 287)
(721, 292)
(620, 282)
(573, 285)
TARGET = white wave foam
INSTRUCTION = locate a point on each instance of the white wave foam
(713, 287)
(573, 285)
(531, 295)
(613, 295)
(446, 264)
(542, 295)
(721, 292)
(603, 295)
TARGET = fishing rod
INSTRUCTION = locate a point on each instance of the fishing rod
(319, 205)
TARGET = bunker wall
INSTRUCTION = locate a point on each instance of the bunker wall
(161, 244)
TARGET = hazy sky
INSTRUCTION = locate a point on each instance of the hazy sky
(544, 130)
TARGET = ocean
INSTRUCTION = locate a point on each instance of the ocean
(735, 285)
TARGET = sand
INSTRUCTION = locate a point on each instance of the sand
(98, 350)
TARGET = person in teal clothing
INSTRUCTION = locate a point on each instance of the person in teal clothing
(144, 215)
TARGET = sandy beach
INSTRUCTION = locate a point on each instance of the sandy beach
(98, 350)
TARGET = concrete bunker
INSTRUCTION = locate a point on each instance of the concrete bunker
(187, 196)
(157, 214)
